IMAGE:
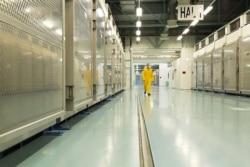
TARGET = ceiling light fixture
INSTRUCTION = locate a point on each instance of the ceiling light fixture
(138, 32)
(179, 37)
(138, 23)
(138, 11)
(186, 31)
(207, 10)
(194, 22)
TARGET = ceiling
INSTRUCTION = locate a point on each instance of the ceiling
(156, 14)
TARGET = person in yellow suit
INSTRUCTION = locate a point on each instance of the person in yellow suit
(147, 77)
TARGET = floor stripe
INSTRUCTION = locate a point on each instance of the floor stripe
(146, 158)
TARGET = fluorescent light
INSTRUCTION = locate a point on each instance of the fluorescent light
(186, 31)
(138, 11)
(194, 22)
(207, 10)
(138, 32)
(179, 37)
(138, 23)
(138, 38)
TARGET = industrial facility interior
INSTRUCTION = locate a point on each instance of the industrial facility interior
(72, 88)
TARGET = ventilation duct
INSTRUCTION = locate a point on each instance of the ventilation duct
(171, 14)
(172, 23)
(164, 37)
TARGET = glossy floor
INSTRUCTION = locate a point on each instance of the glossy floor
(108, 137)
(185, 128)
(198, 129)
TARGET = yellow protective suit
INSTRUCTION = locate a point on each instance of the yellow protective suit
(148, 78)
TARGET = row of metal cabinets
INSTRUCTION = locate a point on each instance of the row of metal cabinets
(224, 68)
(56, 59)
(221, 60)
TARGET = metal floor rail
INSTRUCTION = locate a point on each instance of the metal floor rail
(146, 158)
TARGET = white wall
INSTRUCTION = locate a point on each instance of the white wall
(128, 76)
(177, 79)
(155, 42)
(182, 67)
(164, 70)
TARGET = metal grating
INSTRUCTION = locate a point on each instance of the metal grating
(100, 20)
(83, 54)
(43, 16)
(31, 84)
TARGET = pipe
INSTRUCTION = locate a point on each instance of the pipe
(171, 13)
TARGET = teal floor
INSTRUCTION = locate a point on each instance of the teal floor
(198, 129)
(185, 128)
(108, 137)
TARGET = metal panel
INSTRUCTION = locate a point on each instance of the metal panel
(108, 55)
(230, 67)
(36, 17)
(220, 42)
(245, 30)
(194, 70)
(79, 54)
(100, 30)
(200, 69)
(117, 67)
(217, 69)
(199, 81)
(31, 69)
(207, 70)
(82, 51)
(244, 65)
(234, 36)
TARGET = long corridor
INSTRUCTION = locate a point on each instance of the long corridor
(185, 129)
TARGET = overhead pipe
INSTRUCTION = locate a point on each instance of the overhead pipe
(171, 14)
(171, 6)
